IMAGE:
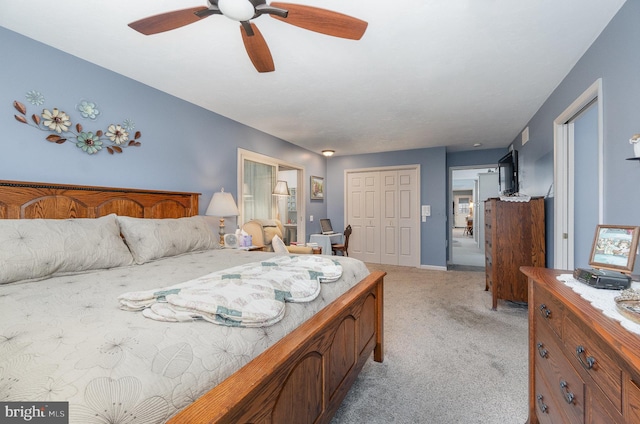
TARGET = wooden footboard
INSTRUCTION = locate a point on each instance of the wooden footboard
(305, 376)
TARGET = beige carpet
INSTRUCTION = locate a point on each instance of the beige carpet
(448, 357)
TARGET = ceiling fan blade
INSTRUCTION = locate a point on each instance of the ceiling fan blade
(168, 21)
(257, 50)
(322, 21)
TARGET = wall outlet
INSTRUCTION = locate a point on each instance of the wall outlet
(311, 218)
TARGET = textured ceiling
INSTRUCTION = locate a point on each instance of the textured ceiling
(426, 73)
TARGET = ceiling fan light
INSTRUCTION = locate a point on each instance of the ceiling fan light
(238, 10)
(328, 153)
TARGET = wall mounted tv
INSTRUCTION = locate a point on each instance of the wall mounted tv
(508, 173)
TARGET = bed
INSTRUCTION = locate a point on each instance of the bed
(296, 370)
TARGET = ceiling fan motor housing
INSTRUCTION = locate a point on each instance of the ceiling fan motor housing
(238, 10)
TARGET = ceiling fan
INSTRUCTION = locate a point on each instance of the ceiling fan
(307, 17)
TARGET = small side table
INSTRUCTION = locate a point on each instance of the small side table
(317, 250)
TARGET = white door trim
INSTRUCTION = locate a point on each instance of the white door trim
(301, 192)
(563, 174)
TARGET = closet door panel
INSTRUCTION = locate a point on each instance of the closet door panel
(363, 214)
(389, 188)
(408, 218)
(372, 217)
(355, 203)
(406, 243)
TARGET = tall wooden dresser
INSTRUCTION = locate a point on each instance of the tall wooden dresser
(584, 367)
(514, 236)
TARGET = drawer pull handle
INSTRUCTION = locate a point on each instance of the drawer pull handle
(544, 311)
(541, 351)
(568, 396)
(590, 360)
(544, 408)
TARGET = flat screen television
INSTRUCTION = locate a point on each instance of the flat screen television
(508, 173)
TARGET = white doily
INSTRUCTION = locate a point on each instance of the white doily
(518, 198)
(602, 299)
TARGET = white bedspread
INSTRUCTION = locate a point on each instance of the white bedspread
(66, 338)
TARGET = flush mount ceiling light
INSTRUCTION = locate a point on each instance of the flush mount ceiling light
(477, 144)
(236, 10)
(328, 153)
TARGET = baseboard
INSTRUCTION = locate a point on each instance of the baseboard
(433, 267)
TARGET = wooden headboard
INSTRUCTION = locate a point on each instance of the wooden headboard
(26, 200)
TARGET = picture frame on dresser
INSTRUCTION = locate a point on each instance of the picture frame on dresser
(615, 247)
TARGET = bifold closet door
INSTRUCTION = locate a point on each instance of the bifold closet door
(383, 210)
(399, 217)
(363, 214)
(389, 228)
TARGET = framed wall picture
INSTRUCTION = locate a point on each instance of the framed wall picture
(317, 188)
(615, 247)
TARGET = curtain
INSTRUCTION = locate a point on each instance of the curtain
(259, 180)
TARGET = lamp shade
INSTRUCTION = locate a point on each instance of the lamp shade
(222, 204)
(281, 189)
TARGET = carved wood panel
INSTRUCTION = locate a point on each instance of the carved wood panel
(23, 200)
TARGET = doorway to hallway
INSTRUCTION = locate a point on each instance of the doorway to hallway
(465, 249)
(470, 187)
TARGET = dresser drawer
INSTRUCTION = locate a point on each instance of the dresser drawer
(632, 400)
(549, 311)
(597, 410)
(589, 356)
(488, 263)
(547, 410)
(565, 384)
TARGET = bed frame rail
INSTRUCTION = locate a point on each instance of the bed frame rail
(305, 376)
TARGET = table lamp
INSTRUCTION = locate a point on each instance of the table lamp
(281, 191)
(222, 205)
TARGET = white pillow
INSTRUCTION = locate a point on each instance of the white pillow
(278, 245)
(38, 248)
(150, 239)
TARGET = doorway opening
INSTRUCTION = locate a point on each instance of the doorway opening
(470, 187)
(257, 178)
(566, 173)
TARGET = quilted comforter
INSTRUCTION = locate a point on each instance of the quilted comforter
(66, 339)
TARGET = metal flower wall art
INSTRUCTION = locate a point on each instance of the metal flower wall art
(58, 124)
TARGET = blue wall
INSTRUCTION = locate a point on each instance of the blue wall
(184, 147)
(614, 58)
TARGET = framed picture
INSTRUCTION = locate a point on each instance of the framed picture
(614, 248)
(317, 188)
